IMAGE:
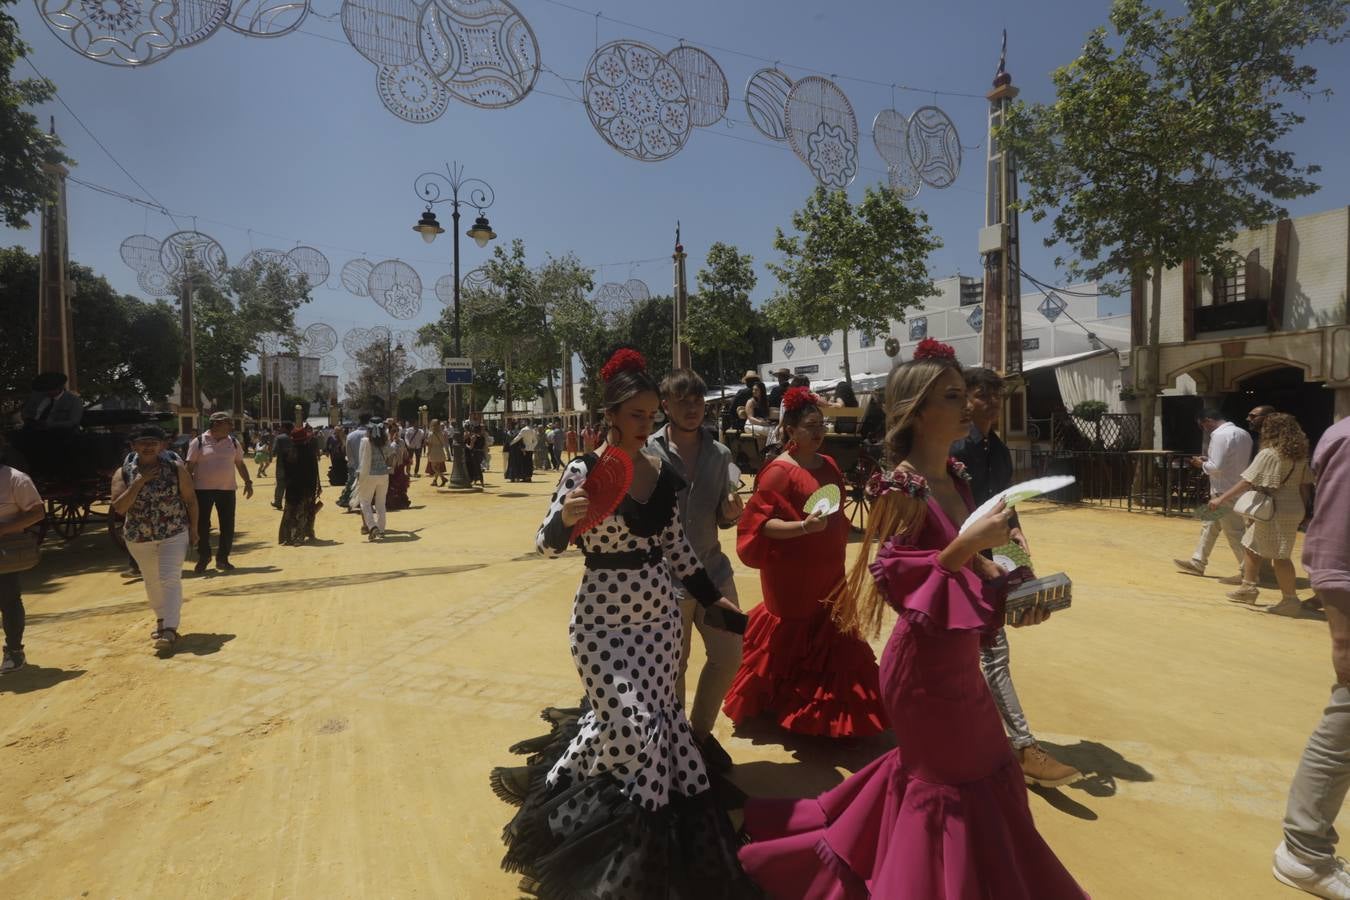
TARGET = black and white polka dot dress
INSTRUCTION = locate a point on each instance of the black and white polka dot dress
(619, 802)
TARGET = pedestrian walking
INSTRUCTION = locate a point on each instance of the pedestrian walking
(281, 442)
(989, 464)
(156, 495)
(557, 440)
(437, 447)
(213, 458)
(348, 501)
(372, 480)
(1279, 472)
(1306, 858)
(1230, 450)
(707, 503)
(415, 438)
(21, 508)
(302, 489)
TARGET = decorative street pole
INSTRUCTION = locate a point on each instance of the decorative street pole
(187, 377)
(56, 345)
(430, 187)
(680, 356)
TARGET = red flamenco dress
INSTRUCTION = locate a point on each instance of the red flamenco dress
(797, 666)
(944, 816)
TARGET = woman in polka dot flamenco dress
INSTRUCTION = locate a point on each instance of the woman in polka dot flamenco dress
(798, 669)
(616, 802)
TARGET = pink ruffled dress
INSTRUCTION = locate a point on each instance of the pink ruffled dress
(944, 816)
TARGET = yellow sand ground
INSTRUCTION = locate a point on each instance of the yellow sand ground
(327, 727)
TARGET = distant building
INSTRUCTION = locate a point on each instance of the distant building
(299, 377)
(1271, 330)
(1057, 326)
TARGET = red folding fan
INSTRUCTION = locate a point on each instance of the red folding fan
(605, 484)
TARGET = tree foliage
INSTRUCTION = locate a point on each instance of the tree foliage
(123, 346)
(851, 268)
(720, 315)
(230, 317)
(381, 371)
(1164, 140)
(26, 148)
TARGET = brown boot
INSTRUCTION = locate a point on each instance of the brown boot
(1040, 768)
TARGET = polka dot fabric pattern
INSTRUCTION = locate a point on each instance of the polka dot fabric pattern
(619, 802)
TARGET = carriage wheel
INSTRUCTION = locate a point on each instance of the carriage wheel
(856, 507)
(71, 518)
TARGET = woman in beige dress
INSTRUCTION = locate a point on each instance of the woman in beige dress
(1280, 470)
(437, 445)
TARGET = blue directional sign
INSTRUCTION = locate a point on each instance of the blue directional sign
(458, 370)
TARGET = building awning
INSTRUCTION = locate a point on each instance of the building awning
(1055, 362)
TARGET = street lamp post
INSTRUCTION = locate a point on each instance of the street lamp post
(431, 188)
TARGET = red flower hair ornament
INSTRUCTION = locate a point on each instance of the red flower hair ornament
(623, 360)
(798, 397)
(930, 348)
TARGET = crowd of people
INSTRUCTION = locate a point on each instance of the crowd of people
(627, 795)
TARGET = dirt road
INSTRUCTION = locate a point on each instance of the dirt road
(327, 727)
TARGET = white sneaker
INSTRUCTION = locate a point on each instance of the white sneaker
(1330, 881)
(1190, 566)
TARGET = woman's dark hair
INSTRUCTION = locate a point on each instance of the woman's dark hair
(759, 392)
(377, 435)
(800, 381)
(628, 382)
(844, 391)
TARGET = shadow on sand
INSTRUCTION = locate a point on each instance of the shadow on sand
(1101, 766)
(816, 760)
(36, 678)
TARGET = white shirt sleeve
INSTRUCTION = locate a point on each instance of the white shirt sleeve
(363, 468)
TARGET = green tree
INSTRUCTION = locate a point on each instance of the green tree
(229, 318)
(381, 371)
(1164, 142)
(26, 150)
(720, 315)
(123, 346)
(572, 321)
(852, 268)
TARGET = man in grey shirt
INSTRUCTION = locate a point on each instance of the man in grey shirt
(707, 502)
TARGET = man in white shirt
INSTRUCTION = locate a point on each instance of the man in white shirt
(528, 439)
(416, 439)
(1230, 450)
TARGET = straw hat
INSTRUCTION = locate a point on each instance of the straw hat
(750, 375)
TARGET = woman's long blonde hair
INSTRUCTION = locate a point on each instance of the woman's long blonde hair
(855, 604)
(1281, 432)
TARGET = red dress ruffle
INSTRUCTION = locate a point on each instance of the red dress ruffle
(944, 816)
(797, 666)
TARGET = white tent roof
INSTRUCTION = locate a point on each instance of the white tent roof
(1055, 362)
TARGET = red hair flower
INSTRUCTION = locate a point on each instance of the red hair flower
(623, 360)
(798, 397)
(930, 348)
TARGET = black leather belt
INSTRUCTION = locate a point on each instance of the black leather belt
(627, 559)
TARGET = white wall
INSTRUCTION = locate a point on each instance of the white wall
(948, 322)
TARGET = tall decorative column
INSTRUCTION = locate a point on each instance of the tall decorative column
(999, 240)
(680, 356)
(187, 376)
(56, 348)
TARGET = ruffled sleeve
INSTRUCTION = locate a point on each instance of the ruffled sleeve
(769, 501)
(922, 591)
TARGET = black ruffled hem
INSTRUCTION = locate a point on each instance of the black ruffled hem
(584, 840)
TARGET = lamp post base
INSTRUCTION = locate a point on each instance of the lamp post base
(459, 472)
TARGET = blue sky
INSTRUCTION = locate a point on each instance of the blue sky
(274, 142)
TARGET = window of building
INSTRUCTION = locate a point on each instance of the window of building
(1238, 283)
(1017, 413)
(972, 292)
(918, 328)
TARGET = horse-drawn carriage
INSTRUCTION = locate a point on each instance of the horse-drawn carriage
(857, 460)
(73, 469)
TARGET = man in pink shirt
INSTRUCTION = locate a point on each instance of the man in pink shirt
(212, 460)
(1306, 859)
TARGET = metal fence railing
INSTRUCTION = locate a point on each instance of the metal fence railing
(1147, 480)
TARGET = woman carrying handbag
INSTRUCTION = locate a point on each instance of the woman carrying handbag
(1274, 495)
(20, 508)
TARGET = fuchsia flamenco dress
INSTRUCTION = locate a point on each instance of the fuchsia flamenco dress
(797, 667)
(944, 816)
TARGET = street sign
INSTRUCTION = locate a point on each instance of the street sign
(458, 370)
